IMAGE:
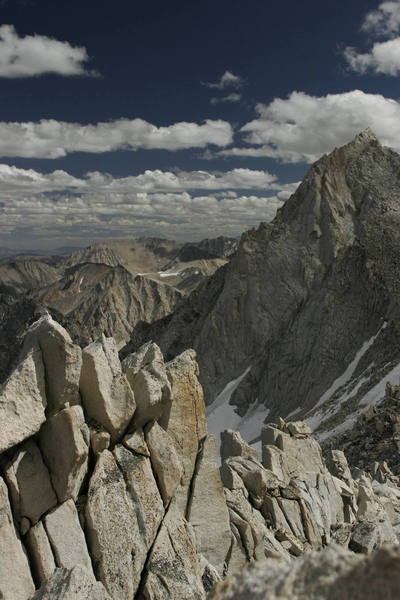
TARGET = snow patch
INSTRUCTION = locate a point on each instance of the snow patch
(371, 398)
(221, 415)
(348, 373)
(169, 274)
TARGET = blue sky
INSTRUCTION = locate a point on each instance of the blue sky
(180, 119)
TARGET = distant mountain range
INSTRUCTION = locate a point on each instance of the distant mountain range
(105, 288)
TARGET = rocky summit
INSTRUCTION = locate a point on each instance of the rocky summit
(111, 488)
(304, 320)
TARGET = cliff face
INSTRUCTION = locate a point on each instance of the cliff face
(110, 488)
(310, 302)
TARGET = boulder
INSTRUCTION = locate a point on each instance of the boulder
(284, 466)
(338, 466)
(29, 484)
(148, 379)
(62, 359)
(173, 569)
(15, 577)
(207, 510)
(67, 538)
(106, 394)
(232, 444)
(164, 459)
(306, 451)
(71, 584)
(40, 552)
(269, 435)
(368, 536)
(64, 440)
(145, 355)
(136, 442)
(99, 441)
(298, 428)
(22, 401)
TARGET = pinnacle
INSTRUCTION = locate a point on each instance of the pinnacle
(367, 135)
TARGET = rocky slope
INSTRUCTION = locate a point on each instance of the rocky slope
(106, 288)
(110, 488)
(95, 298)
(24, 276)
(305, 317)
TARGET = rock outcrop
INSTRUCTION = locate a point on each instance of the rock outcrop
(121, 495)
(22, 401)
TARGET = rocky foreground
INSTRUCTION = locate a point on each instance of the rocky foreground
(111, 488)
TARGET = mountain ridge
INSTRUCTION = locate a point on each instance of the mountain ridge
(303, 293)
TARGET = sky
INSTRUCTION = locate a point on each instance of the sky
(180, 119)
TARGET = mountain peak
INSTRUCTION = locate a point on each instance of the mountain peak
(366, 135)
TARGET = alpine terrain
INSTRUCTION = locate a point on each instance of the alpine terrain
(206, 422)
(304, 320)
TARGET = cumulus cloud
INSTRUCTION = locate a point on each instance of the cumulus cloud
(234, 97)
(35, 55)
(384, 21)
(301, 128)
(15, 178)
(49, 138)
(383, 57)
(228, 80)
(82, 219)
(57, 208)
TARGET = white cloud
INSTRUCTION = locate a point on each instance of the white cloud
(57, 208)
(54, 139)
(234, 97)
(34, 55)
(384, 21)
(384, 58)
(85, 218)
(13, 178)
(301, 128)
(228, 80)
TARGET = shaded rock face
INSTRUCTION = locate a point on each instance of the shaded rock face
(138, 507)
(16, 314)
(66, 584)
(22, 401)
(309, 302)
